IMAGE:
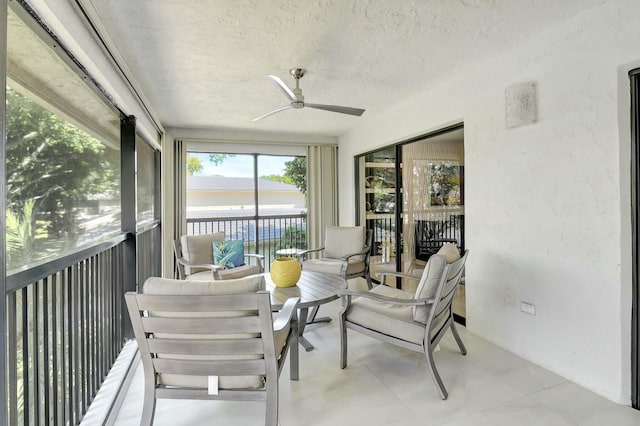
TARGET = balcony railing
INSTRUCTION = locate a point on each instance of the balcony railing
(66, 325)
(262, 234)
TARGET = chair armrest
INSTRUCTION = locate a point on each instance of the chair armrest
(386, 299)
(398, 274)
(288, 312)
(258, 257)
(360, 253)
(303, 253)
(184, 262)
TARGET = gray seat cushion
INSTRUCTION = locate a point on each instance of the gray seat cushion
(226, 274)
(340, 241)
(198, 249)
(431, 277)
(394, 320)
(333, 266)
(239, 272)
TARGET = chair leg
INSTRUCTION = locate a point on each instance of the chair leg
(368, 278)
(312, 315)
(463, 350)
(294, 354)
(343, 340)
(271, 417)
(149, 401)
(434, 373)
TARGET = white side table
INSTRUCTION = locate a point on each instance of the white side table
(288, 252)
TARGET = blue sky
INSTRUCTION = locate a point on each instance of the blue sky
(242, 165)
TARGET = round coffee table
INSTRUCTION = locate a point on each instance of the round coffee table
(313, 289)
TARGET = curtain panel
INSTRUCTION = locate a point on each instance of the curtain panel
(322, 191)
(180, 188)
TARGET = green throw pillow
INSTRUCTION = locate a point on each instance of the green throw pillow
(228, 253)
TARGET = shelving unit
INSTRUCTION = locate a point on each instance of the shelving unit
(378, 200)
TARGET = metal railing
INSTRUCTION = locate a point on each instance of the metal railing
(66, 325)
(262, 234)
(429, 235)
(148, 243)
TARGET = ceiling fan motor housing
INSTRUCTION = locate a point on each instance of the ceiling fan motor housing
(297, 73)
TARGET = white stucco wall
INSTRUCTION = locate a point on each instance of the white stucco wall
(233, 199)
(547, 204)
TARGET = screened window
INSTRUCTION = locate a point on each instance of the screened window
(63, 160)
(257, 198)
(225, 185)
(145, 181)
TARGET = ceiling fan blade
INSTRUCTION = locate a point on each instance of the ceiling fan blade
(272, 112)
(285, 89)
(336, 108)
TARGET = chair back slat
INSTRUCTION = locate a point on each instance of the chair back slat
(199, 325)
(445, 300)
(446, 291)
(198, 303)
(241, 367)
(214, 347)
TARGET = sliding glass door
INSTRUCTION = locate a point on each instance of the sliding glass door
(257, 198)
(412, 196)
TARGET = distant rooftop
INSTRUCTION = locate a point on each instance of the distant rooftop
(235, 183)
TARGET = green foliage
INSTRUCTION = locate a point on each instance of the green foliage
(194, 165)
(296, 171)
(278, 178)
(293, 237)
(55, 165)
(217, 159)
(21, 234)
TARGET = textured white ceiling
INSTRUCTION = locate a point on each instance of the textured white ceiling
(201, 63)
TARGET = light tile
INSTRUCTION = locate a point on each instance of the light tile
(344, 397)
(578, 404)
(523, 411)
(618, 415)
(384, 385)
(470, 390)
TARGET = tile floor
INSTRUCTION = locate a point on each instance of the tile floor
(387, 385)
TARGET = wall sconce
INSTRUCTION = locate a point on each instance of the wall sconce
(520, 104)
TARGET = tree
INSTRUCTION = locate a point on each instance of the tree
(217, 159)
(278, 178)
(294, 237)
(54, 165)
(193, 165)
(20, 235)
(296, 171)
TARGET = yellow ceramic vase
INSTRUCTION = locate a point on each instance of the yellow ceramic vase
(285, 271)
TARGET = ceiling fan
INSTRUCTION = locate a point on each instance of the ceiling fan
(297, 100)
